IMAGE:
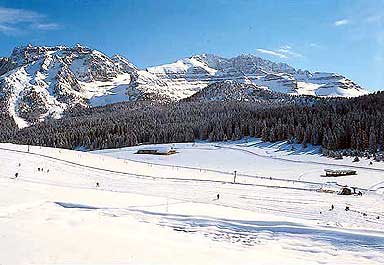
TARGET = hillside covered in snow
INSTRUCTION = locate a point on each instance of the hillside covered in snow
(65, 207)
(37, 83)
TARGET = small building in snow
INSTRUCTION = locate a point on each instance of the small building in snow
(339, 172)
(156, 150)
(345, 191)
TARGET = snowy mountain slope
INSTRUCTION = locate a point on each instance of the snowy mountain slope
(41, 82)
(327, 85)
(169, 203)
(187, 76)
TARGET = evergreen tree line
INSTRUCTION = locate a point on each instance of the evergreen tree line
(8, 126)
(335, 124)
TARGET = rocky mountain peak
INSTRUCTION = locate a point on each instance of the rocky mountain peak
(124, 64)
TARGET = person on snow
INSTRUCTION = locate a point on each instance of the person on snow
(218, 196)
(97, 184)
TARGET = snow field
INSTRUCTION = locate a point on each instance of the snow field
(156, 214)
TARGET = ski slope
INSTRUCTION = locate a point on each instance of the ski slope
(164, 209)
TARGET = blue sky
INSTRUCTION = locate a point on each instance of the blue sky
(345, 36)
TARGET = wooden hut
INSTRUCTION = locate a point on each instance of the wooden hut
(345, 191)
(339, 172)
(160, 150)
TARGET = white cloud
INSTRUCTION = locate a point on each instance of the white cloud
(374, 19)
(341, 22)
(282, 52)
(46, 26)
(16, 20)
(314, 45)
(287, 51)
(13, 16)
(273, 53)
(6, 29)
(286, 47)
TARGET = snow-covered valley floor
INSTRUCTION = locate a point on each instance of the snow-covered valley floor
(164, 209)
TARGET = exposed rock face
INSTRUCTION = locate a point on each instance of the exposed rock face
(123, 64)
(6, 65)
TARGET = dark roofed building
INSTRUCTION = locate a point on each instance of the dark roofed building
(339, 172)
(153, 150)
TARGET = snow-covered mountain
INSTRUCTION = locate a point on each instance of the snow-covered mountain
(41, 82)
(185, 77)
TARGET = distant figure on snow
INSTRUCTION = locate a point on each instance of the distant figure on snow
(16, 175)
(218, 196)
(97, 184)
(332, 207)
(347, 208)
(234, 176)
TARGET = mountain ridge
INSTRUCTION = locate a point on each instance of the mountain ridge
(279, 77)
(40, 82)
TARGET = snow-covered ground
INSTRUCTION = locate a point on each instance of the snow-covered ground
(164, 209)
(253, 158)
